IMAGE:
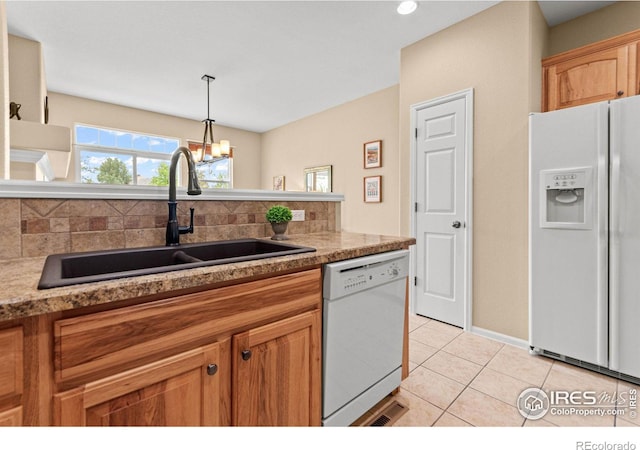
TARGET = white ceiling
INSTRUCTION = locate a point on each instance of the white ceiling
(274, 61)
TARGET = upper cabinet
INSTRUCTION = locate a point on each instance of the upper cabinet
(605, 70)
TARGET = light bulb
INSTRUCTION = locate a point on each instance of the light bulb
(407, 7)
(215, 150)
(225, 147)
(196, 153)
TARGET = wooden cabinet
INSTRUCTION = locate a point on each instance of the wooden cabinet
(188, 389)
(601, 71)
(246, 354)
(272, 379)
(11, 376)
(276, 373)
(11, 417)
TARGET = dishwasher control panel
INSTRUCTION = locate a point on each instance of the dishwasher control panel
(354, 282)
(354, 275)
(370, 275)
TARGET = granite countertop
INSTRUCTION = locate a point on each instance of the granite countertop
(21, 298)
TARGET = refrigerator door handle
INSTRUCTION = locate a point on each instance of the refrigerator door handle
(614, 241)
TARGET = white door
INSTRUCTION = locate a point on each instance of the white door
(443, 140)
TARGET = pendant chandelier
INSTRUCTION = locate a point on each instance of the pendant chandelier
(215, 150)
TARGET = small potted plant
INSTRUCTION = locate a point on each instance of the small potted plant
(279, 217)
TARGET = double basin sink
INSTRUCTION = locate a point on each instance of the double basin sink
(75, 268)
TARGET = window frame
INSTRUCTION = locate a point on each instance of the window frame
(78, 148)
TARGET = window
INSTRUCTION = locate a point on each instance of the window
(110, 156)
(216, 172)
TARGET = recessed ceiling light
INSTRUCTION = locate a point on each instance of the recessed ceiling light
(407, 7)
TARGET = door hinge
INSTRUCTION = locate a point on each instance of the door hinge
(416, 133)
(415, 207)
(415, 281)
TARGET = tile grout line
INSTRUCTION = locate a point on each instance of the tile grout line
(484, 366)
(444, 410)
(468, 385)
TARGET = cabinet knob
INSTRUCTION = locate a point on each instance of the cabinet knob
(620, 93)
(246, 354)
(212, 369)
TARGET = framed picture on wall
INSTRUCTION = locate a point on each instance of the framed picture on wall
(278, 183)
(373, 189)
(372, 154)
(317, 179)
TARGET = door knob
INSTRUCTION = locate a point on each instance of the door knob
(456, 224)
(246, 354)
(212, 369)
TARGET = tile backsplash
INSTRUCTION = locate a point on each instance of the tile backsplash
(39, 227)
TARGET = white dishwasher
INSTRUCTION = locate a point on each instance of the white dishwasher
(363, 324)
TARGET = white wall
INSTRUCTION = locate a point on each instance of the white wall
(497, 52)
(66, 110)
(489, 52)
(336, 137)
(27, 82)
(618, 18)
(4, 95)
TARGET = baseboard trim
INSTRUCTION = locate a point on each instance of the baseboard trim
(505, 339)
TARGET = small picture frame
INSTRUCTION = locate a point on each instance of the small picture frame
(373, 189)
(278, 183)
(372, 154)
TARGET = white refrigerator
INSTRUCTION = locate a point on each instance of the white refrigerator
(584, 235)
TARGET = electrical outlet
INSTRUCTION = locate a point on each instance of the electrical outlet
(298, 215)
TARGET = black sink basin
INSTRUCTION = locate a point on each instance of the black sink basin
(75, 268)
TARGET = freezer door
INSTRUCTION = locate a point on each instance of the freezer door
(624, 278)
(568, 232)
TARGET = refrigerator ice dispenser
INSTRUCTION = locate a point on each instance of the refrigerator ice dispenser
(566, 198)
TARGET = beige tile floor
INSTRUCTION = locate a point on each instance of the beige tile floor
(461, 379)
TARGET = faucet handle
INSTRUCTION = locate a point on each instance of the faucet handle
(189, 229)
(191, 211)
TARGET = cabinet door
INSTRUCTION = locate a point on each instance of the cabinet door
(11, 379)
(183, 390)
(11, 418)
(276, 373)
(603, 75)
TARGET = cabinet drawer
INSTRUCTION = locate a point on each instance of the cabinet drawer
(97, 345)
(11, 363)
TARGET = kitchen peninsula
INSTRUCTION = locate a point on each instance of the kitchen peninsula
(225, 340)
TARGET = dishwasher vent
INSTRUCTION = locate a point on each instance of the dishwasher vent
(388, 415)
